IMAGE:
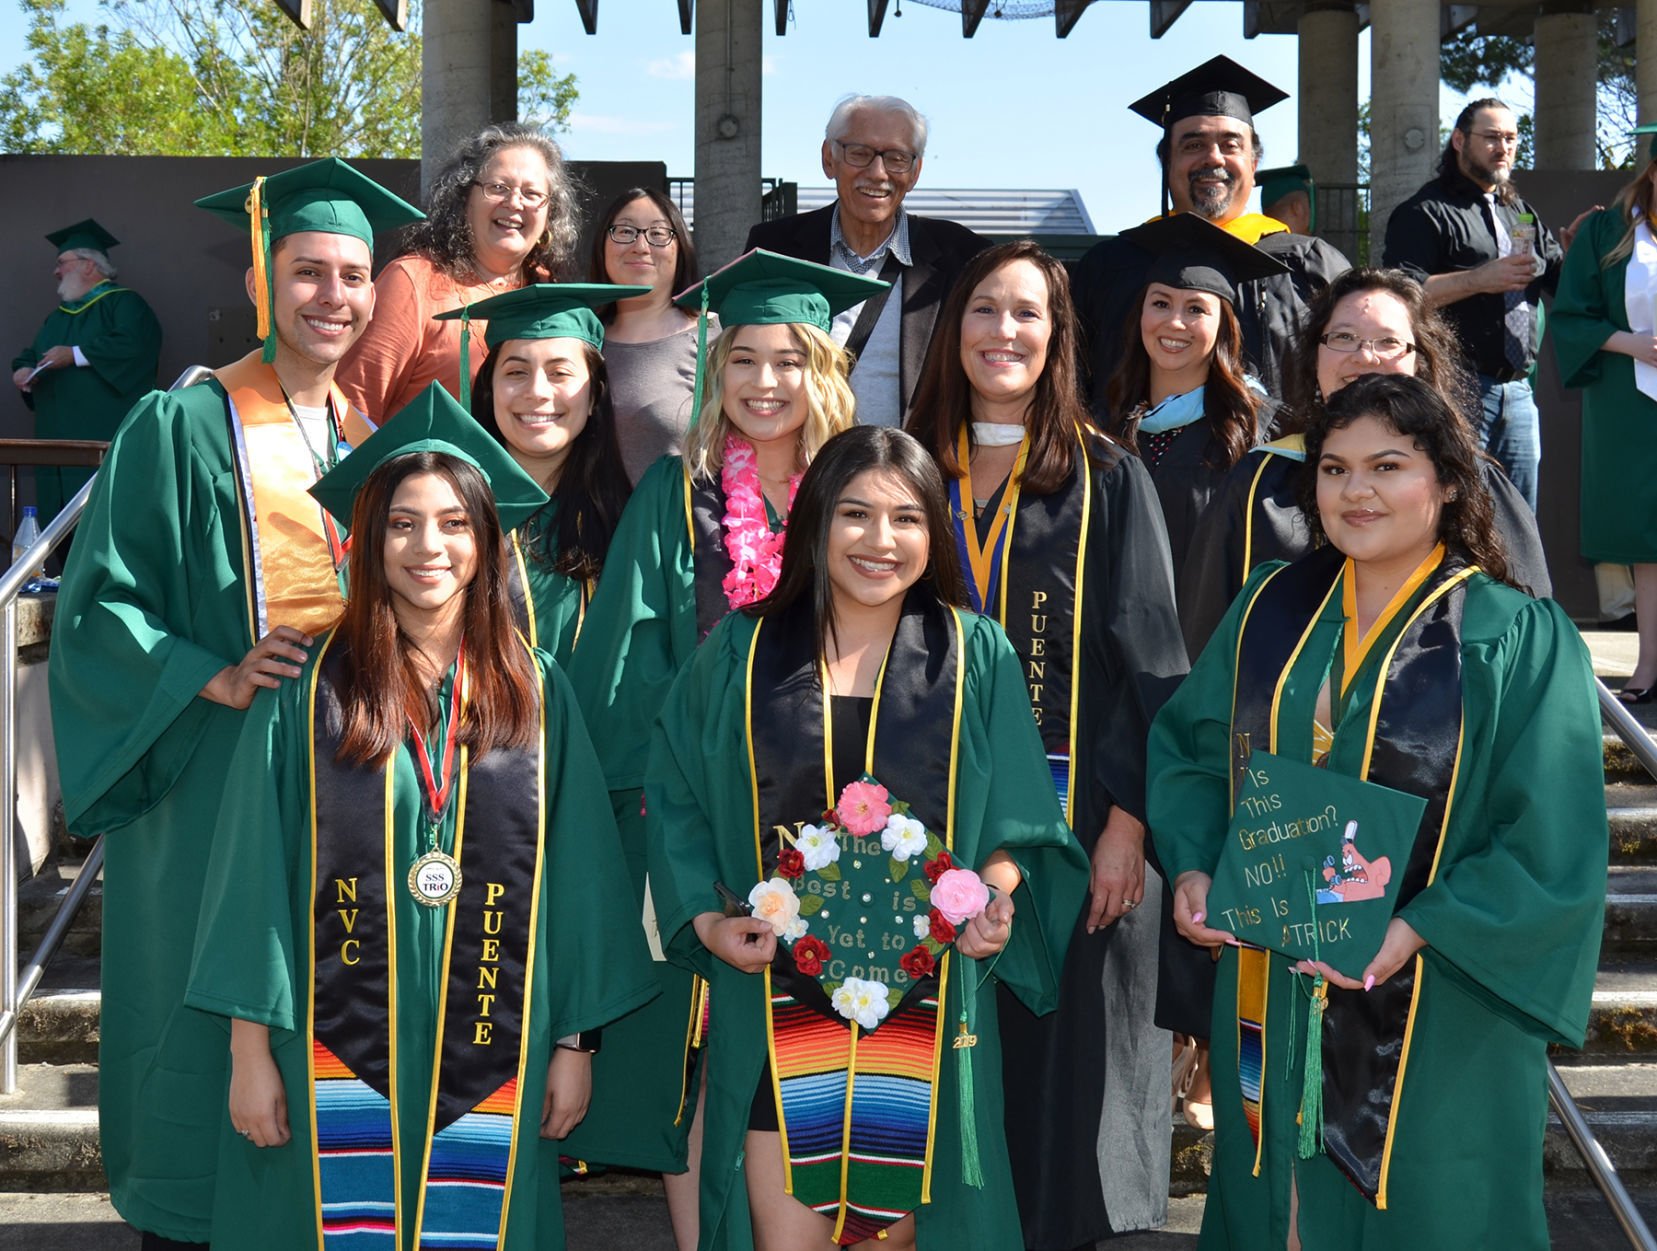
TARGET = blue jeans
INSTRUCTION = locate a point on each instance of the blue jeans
(1512, 431)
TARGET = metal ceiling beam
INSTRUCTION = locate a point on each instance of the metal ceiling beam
(1066, 13)
(687, 11)
(877, 16)
(298, 12)
(396, 12)
(782, 16)
(589, 15)
(1164, 13)
(972, 12)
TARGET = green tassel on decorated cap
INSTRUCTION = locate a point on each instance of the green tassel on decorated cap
(1648, 128)
(83, 234)
(328, 197)
(433, 422)
(762, 288)
(544, 310)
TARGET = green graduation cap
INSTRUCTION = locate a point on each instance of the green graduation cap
(326, 196)
(86, 234)
(545, 310)
(1649, 128)
(433, 422)
(1285, 180)
(1190, 253)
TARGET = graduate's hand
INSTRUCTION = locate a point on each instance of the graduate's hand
(987, 933)
(258, 1103)
(745, 943)
(1118, 884)
(1191, 909)
(59, 357)
(265, 664)
(20, 378)
(569, 1092)
(1642, 347)
(1398, 948)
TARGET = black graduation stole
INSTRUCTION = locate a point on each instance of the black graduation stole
(1040, 608)
(705, 522)
(1414, 745)
(488, 974)
(861, 1166)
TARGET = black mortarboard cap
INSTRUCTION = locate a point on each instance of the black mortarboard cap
(1190, 253)
(1216, 88)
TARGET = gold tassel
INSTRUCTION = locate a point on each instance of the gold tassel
(264, 300)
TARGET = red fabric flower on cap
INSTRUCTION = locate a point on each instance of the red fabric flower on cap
(918, 962)
(937, 868)
(790, 863)
(809, 954)
(942, 930)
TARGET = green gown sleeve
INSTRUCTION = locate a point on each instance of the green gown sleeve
(641, 624)
(1515, 912)
(1583, 317)
(147, 578)
(123, 344)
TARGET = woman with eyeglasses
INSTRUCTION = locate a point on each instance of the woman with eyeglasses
(501, 216)
(1368, 321)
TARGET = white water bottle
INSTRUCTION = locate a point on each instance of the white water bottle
(28, 534)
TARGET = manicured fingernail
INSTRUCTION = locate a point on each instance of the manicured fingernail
(1231, 940)
(1369, 982)
(1196, 918)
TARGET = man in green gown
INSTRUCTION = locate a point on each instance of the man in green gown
(95, 357)
(202, 570)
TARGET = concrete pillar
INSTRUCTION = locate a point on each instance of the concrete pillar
(1403, 118)
(728, 48)
(1567, 82)
(503, 63)
(1645, 58)
(1328, 103)
(458, 69)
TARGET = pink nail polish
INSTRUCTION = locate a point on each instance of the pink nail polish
(1196, 919)
(1369, 982)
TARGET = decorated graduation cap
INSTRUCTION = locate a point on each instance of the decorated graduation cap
(544, 310)
(433, 422)
(1191, 254)
(325, 196)
(86, 234)
(1649, 128)
(761, 288)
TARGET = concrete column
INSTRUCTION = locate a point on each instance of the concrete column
(1328, 103)
(1645, 58)
(1567, 81)
(1403, 117)
(728, 48)
(456, 60)
(503, 63)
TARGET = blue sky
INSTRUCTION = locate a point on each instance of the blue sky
(1012, 107)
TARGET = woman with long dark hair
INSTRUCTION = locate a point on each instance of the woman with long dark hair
(418, 904)
(1063, 541)
(1397, 654)
(544, 394)
(641, 238)
(856, 1088)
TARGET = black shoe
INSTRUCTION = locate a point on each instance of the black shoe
(1624, 622)
(1638, 695)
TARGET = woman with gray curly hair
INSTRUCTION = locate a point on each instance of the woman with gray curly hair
(501, 215)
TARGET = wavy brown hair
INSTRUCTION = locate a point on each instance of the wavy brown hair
(1230, 408)
(1634, 203)
(1412, 408)
(384, 687)
(943, 398)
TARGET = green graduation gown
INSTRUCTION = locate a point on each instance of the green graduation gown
(702, 814)
(121, 340)
(1619, 421)
(559, 602)
(251, 958)
(153, 604)
(1511, 918)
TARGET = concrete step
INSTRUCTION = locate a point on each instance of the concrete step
(1621, 765)
(38, 901)
(1630, 912)
(49, 1130)
(59, 1026)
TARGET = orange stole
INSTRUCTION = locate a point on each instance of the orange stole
(290, 548)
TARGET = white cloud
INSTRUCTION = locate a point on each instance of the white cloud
(680, 67)
(601, 124)
(768, 65)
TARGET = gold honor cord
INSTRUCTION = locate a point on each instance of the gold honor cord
(981, 555)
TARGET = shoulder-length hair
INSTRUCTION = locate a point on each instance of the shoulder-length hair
(384, 689)
(593, 487)
(1449, 168)
(445, 237)
(1416, 410)
(685, 268)
(830, 405)
(1438, 356)
(1230, 407)
(1634, 202)
(805, 565)
(943, 398)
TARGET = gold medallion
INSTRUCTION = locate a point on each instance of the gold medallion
(434, 879)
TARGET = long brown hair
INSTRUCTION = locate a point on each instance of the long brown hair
(1230, 407)
(384, 689)
(943, 399)
(1636, 195)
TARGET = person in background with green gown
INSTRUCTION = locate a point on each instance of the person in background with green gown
(95, 357)
(1604, 323)
(201, 572)
(702, 534)
(1396, 654)
(543, 393)
(417, 908)
(854, 1094)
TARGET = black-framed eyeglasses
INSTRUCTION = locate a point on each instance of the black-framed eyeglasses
(500, 192)
(1385, 348)
(896, 160)
(655, 236)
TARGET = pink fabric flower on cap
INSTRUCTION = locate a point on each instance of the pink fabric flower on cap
(864, 807)
(959, 895)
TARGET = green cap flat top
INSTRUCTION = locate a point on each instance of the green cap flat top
(546, 310)
(86, 234)
(1274, 184)
(1649, 128)
(327, 196)
(1191, 254)
(433, 422)
(761, 288)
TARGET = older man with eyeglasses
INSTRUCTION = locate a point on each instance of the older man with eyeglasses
(873, 149)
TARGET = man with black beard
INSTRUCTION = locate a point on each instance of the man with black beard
(1209, 154)
(1486, 258)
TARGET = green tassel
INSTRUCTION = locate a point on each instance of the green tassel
(1311, 1087)
(701, 356)
(972, 1170)
(466, 359)
(268, 352)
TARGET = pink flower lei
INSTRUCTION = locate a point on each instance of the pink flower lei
(755, 552)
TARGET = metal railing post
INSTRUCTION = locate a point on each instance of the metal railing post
(8, 838)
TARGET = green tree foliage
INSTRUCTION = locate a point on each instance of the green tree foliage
(200, 78)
